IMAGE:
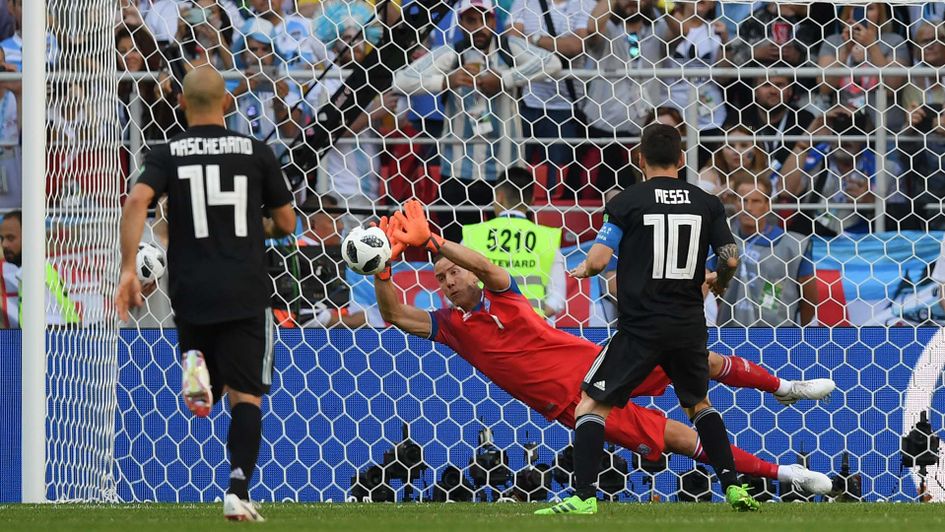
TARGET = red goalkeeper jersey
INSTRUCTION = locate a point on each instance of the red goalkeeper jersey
(516, 349)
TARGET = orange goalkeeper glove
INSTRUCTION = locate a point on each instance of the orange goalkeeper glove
(390, 228)
(415, 230)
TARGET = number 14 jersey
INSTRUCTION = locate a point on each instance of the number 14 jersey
(667, 226)
(218, 183)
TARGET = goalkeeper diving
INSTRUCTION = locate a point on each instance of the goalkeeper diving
(496, 330)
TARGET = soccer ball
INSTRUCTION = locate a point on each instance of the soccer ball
(366, 251)
(150, 262)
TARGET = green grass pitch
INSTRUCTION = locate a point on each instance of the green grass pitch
(467, 517)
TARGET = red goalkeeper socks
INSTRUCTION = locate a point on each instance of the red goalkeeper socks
(745, 463)
(740, 373)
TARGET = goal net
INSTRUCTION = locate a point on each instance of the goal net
(83, 201)
(819, 127)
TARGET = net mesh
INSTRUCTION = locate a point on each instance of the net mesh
(818, 126)
(83, 194)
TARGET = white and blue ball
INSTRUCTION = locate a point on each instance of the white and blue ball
(366, 251)
(151, 263)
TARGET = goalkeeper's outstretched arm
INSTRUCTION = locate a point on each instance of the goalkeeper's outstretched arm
(405, 317)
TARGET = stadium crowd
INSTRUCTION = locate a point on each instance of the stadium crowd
(487, 101)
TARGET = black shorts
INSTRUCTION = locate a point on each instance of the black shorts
(239, 353)
(625, 362)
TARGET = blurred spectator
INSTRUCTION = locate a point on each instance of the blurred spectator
(337, 17)
(924, 98)
(270, 10)
(775, 284)
(262, 98)
(774, 115)
(130, 59)
(13, 45)
(69, 119)
(306, 9)
(324, 228)
(810, 159)
(60, 309)
(477, 76)
(925, 13)
(849, 179)
(259, 26)
(317, 280)
(622, 37)
(11, 112)
(529, 251)
(295, 37)
(7, 23)
(253, 26)
(548, 107)
(137, 52)
(732, 156)
(207, 35)
(669, 116)
(424, 111)
(131, 54)
(775, 32)
(9, 274)
(694, 43)
(867, 39)
(128, 14)
(350, 169)
(732, 15)
(163, 18)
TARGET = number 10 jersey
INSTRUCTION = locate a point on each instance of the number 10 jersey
(667, 226)
(218, 184)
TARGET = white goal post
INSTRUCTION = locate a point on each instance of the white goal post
(34, 252)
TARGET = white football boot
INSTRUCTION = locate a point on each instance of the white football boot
(198, 395)
(236, 509)
(804, 480)
(815, 389)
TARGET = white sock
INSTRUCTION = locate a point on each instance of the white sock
(784, 387)
(785, 473)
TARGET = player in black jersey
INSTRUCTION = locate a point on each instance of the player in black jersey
(662, 229)
(219, 186)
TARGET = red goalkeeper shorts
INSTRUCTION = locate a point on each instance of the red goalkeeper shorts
(633, 427)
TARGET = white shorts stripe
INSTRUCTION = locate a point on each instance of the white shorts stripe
(597, 362)
(267, 356)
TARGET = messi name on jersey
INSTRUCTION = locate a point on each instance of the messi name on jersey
(212, 146)
(671, 197)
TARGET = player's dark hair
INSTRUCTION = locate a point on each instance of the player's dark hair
(17, 215)
(518, 184)
(661, 146)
